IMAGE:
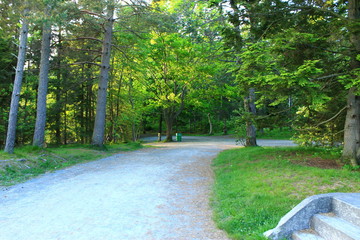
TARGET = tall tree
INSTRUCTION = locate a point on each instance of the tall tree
(243, 21)
(15, 98)
(100, 117)
(352, 124)
(250, 108)
(39, 134)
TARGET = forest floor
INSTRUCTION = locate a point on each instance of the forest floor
(152, 193)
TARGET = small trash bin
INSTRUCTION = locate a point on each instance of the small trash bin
(178, 137)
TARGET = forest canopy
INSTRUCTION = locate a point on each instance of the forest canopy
(80, 71)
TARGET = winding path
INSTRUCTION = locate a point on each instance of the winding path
(153, 193)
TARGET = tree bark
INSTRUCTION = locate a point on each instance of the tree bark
(352, 128)
(169, 122)
(14, 106)
(58, 91)
(100, 117)
(39, 134)
(352, 122)
(210, 125)
(160, 127)
(249, 105)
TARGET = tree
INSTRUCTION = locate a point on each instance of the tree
(99, 125)
(352, 124)
(243, 21)
(14, 106)
(39, 134)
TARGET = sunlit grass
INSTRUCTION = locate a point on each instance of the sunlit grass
(276, 133)
(256, 186)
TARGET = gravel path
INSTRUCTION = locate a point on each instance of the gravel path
(153, 193)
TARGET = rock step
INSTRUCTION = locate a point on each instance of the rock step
(308, 234)
(331, 227)
(347, 207)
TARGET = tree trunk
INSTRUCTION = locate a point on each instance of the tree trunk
(169, 122)
(134, 131)
(352, 128)
(14, 106)
(160, 127)
(210, 125)
(39, 134)
(58, 92)
(225, 127)
(58, 115)
(352, 123)
(249, 104)
(65, 118)
(99, 125)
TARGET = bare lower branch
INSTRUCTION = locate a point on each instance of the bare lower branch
(333, 117)
(85, 50)
(328, 76)
(81, 63)
(92, 13)
(84, 38)
(273, 114)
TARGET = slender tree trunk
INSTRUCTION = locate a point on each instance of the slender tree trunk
(131, 100)
(210, 125)
(249, 104)
(352, 123)
(58, 92)
(89, 109)
(14, 106)
(160, 127)
(58, 115)
(99, 125)
(65, 118)
(39, 134)
(225, 127)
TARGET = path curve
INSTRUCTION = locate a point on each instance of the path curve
(153, 193)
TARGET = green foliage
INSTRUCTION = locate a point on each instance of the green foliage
(351, 168)
(184, 56)
(7, 73)
(255, 187)
(284, 133)
(239, 122)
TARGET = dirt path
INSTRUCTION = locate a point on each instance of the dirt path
(154, 193)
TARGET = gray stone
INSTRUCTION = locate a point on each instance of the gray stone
(306, 235)
(331, 227)
(299, 217)
(348, 207)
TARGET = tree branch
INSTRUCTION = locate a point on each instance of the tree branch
(333, 117)
(273, 114)
(84, 38)
(92, 13)
(80, 63)
(85, 50)
(328, 76)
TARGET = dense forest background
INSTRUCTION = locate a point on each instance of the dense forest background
(109, 71)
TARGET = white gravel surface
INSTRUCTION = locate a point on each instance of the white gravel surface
(153, 193)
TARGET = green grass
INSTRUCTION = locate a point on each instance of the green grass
(277, 133)
(256, 186)
(28, 161)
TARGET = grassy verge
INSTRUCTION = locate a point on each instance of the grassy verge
(255, 187)
(277, 133)
(28, 162)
